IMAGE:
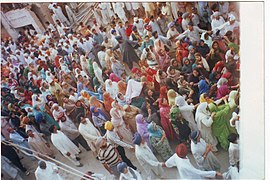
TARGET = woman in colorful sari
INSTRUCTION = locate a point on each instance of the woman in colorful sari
(159, 141)
(130, 117)
(164, 113)
(223, 88)
(221, 121)
(37, 109)
(99, 118)
(142, 128)
(120, 127)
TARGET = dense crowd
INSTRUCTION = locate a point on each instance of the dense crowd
(140, 76)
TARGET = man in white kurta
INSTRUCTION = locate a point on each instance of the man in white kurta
(118, 8)
(65, 145)
(202, 153)
(37, 143)
(71, 16)
(217, 21)
(204, 121)
(59, 13)
(185, 168)
(89, 132)
(146, 158)
(47, 171)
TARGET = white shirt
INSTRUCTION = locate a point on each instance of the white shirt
(50, 173)
(186, 170)
(234, 154)
(192, 35)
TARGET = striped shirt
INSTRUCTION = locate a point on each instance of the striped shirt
(108, 155)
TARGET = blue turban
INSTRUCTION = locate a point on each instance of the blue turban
(194, 136)
(118, 38)
(113, 31)
(137, 139)
(121, 167)
(190, 47)
(134, 28)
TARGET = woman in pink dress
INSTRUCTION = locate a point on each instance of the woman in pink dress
(164, 113)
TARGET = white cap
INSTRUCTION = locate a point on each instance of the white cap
(216, 14)
(136, 19)
(231, 17)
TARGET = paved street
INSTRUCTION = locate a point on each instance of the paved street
(91, 164)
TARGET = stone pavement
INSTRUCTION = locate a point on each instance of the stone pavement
(91, 164)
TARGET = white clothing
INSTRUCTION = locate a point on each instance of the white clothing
(216, 23)
(186, 111)
(204, 123)
(185, 24)
(59, 14)
(148, 161)
(234, 154)
(50, 173)
(236, 123)
(207, 164)
(175, 8)
(186, 170)
(140, 26)
(208, 41)
(90, 134)
(118, 8)
(113, 138)
(136, 5)
(65, 145)
(101, 57)
(113, 89)
(192, 35)
(71, 16)
(134, 89)
(129, 175)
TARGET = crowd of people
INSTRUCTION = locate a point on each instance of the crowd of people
(141, 76)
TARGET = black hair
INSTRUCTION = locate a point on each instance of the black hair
(233, 137)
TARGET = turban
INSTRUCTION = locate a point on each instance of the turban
(121, 167)
(146, 20)
(171, 24)
(136, 19)
(42, 164)
(134, 28)
(216, 14)
(194, 136)
(118, 38)
(181, 150)
(190, 47)
(231, 17)
(99, 142)
(137, 139)
(108, 126)
(113, 31)
(185, 15)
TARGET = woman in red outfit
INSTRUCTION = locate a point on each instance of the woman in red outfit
(164, 113)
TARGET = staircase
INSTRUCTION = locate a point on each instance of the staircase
(84, 13)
